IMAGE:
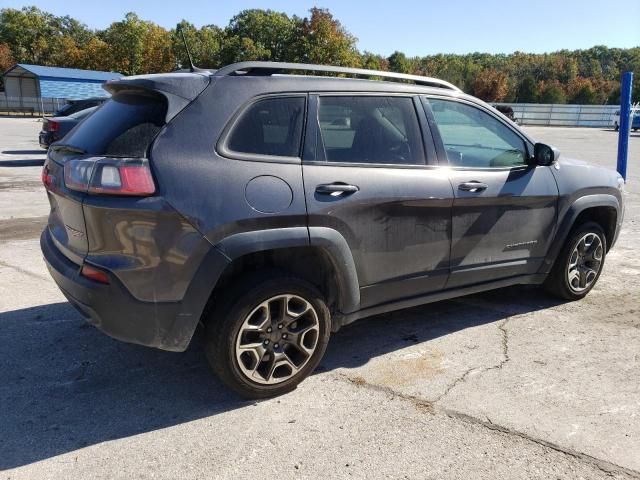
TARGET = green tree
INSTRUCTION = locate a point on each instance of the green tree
(268, 34)
(205, 45)
(527, 91)
(126, 44)
(551, 92)
(398, 62)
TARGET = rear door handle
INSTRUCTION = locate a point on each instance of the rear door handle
(473, 186)
(336, 188)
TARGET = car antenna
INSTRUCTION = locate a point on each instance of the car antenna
(192, 67)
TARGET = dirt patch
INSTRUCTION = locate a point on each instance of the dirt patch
(21, 228)
(406, 369)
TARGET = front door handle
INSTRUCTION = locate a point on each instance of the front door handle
(473, 186)
(336, 188)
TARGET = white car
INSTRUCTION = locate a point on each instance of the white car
(635, 124)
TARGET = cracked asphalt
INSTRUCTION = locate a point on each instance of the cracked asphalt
(506, 384)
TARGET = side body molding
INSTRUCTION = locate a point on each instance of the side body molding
(570, 216)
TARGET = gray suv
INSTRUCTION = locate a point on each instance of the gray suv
(275, 208)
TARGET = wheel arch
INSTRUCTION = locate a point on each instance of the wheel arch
(603, 209)
(318, 255)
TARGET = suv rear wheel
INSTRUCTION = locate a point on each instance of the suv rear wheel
(267, 338)
(579, 264)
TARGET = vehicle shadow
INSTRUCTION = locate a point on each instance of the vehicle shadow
(64, 385)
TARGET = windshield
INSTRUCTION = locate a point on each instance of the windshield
(124, 126)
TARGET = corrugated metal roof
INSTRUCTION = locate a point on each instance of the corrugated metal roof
(62, 88)
(66, 73)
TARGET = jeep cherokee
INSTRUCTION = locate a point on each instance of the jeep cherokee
(275, 208)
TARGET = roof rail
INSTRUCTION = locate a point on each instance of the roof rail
(271, 68)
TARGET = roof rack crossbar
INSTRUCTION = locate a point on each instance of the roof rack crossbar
(271, 68)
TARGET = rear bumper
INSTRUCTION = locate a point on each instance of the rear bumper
(114, 311)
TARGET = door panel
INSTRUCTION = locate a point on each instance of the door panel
(505, 229)
(397, 225)
(365, 176)
(504, 211)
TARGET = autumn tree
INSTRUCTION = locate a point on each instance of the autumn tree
(491, 85)
(6, 58)
(321, 39)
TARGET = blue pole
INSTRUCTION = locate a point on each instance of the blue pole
(625, 124)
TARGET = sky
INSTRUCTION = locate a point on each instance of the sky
(415, 27)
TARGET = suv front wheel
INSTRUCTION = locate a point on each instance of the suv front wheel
(579, 264)
(270, 335)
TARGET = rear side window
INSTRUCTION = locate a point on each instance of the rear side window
(272, 126)
(375, 130)
(124, 126)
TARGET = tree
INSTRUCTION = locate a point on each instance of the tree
(205, 45)
(527, 91)
(581, 92)
(126, 44)
(371, 61)
(491, 85)
(28, 33)
(551, 92)
(157, 55)
(96, 55)
(6, 61)
(6, 58)
(271, 35)
(398, 62)
(322, 39)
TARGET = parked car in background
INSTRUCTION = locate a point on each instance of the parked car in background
(635, 123)
(54, 128)
(74, 106)
(274, 209)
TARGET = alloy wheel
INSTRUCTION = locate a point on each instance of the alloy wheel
(277, 339)
(585, 262)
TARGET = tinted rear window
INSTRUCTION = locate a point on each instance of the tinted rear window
(271, 126)
(124, 126)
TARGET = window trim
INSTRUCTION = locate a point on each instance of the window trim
(310, 156)
(442, 155)
(222, 147)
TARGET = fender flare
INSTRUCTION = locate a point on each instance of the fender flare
(566, 223)
(327, 239)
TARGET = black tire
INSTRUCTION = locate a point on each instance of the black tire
(557, 282)
(225, 322)
(616, 127)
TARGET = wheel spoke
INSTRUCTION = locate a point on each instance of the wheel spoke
(573, 276)
(583, 278)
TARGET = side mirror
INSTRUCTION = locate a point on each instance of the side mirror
(544, 154)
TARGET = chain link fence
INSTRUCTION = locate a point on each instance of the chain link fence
(33, 106)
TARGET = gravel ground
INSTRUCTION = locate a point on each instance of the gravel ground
(506, 384)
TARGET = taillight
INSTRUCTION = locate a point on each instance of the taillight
(53, 126)
(47, 178)
(94, 274)
(110, 176)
